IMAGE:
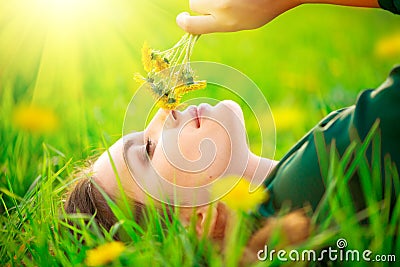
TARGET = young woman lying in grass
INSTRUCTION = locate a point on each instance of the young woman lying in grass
(298, 180)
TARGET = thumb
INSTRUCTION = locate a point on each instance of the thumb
(196, 24)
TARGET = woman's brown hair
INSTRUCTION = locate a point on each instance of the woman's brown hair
(85, 198)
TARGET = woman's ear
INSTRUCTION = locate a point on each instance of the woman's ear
(206, 219)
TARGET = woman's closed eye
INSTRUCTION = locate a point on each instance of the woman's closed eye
(150, 147)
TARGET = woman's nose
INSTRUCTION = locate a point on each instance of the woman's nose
(158, 120)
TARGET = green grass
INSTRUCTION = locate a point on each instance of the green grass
(311, 60)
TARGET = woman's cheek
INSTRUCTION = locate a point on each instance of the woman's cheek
(200, 155)
(159, 163)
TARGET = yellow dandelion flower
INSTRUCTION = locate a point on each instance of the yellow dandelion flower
(389, 46)
(286, 117)
(239, 197)
(159, 64)
(139, 78)
(167, 106)
(35, 119)
(184, 88)
(169, 103)
(147, 57)
(104, 254)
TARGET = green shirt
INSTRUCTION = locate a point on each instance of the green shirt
(391, 5)
(297, 179)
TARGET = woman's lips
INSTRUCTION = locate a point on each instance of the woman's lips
(195, 113)
(201, 110)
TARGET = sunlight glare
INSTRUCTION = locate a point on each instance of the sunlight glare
(70, 47)
(72, 12)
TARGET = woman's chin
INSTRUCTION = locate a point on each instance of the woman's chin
(234, 107)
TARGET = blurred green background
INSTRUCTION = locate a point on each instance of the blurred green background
(66, 70)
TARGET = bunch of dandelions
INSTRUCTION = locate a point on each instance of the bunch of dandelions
(169, 75)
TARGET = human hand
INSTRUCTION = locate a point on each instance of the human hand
(231, 15)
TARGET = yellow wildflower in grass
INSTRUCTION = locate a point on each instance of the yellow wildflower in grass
(35, 119)
(236, 193)
(286, 117)
(104, 254)
(388, 46)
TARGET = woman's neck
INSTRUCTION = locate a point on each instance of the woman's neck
(258, 169)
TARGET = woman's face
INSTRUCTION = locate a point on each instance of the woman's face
(189, 149)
